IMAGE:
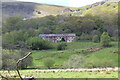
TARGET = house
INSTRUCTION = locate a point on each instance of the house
(58, 37)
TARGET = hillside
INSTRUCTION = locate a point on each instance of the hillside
(33, 10)
(95, 8)
(29, 9)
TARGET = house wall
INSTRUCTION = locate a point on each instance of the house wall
(58, 38)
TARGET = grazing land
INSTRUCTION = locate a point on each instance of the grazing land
(100, 58)
(102, 74)
(103, 57)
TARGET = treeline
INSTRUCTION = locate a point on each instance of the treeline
(17, 31)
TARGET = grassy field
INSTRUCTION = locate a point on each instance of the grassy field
(103, 57)
(65, 74)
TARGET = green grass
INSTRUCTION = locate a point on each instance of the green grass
(82, 45)
(103, 57)
(66, 74)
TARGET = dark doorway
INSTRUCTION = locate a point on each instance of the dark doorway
(62, 40)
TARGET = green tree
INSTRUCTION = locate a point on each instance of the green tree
(96, 39)
(87, 25)
(49, 63)
(85, 36)
(15, 36)
(38, 43)
(14, 39)
(105, 39)
(10, 24)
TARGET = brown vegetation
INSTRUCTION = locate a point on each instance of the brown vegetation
(91, 50)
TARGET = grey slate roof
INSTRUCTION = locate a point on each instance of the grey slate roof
(42, 35)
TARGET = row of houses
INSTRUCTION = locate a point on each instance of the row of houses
(58, 37)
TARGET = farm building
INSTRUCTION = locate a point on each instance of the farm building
(58, 37)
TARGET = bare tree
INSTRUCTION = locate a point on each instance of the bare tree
(17, 68)
(17, 64)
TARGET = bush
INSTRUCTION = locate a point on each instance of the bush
(76, 61)
(95, 39)
(84, 37)
(49, 63)
(105, 40)
(114, 39)
(61, 46)
(37, 43)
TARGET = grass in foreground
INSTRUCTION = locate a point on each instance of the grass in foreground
(66, 74)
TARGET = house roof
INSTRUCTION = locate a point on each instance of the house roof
(42, 35)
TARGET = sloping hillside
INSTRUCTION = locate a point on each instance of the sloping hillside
(29, 9)
(17, 9)
(110, 5)
(104, 10)
(33, 10)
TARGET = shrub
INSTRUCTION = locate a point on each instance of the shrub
(105, 39)
(84, 37)
(114, 38)
(37, 43)
(95, 39)
(61, 46)
(49, 63)
(76, 61)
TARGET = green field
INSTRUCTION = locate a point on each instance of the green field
(99, 58)
(65, 74)
(102, 58)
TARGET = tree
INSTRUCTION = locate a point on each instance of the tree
(85, 36)
(20, 60)
(105, 39)
(13, 39)
(11, 23)
(38, 43)
(87, 25)
(49, 62)
(95, 39)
